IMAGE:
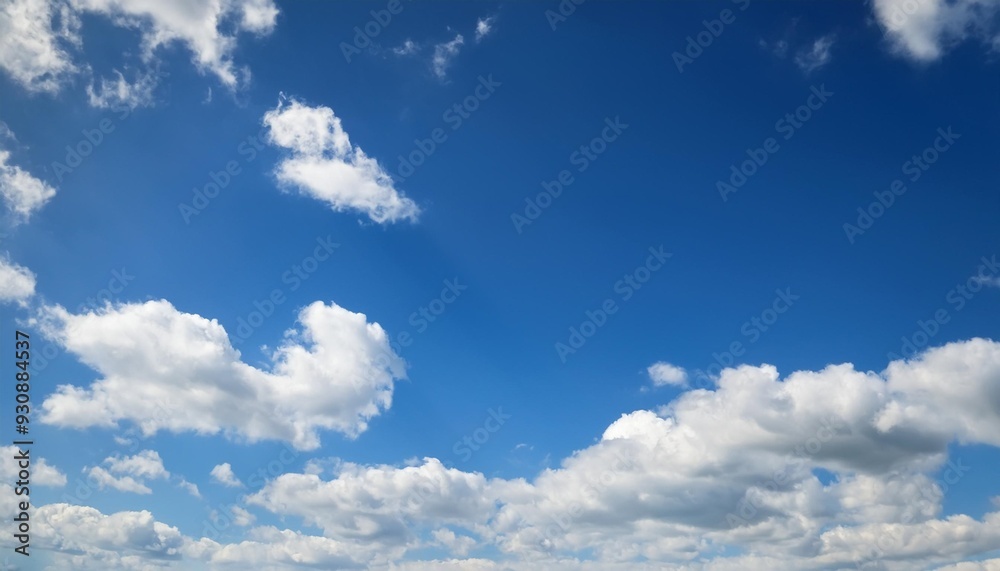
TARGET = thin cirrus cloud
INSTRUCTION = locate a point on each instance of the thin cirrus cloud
(323, 164)
(815, 56)
(163, 369)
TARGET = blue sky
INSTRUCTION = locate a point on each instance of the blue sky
(484, 286)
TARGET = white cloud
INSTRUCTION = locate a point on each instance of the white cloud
(198, 26)
(105, 479)
(167, 370)
(663, 373)
(444, 53)
(38, 39)
(120, 92)
(484, 26)
(242, 517)
(23, 193)
(459, 545)
(223, 474)
(17, 283)
(42, 473)
(406, 48)
(924, 30)
(189, 488)
(816, 56)
(129, 473)
(326, 166)
(34, 35)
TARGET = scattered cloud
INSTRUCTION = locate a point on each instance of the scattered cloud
(17, 283)
(22, 193)
(129, 473)
(663, 373)
(444, 53)
(924, 30)
(42, 473)
(406, 48)
(816, 56)
(326, 166)
(223, 474)
(484, 26)
(167, 370)
(39, 39)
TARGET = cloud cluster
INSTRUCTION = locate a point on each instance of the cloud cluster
(129, 474)
(163, 369)
(39, 38)
(325, 165)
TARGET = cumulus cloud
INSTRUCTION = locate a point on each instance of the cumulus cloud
(923, 30)
(22, 193)
(42, 473)
(38, 40)
(163, 369)
(719, 480)
(663, 373)
(35, 36)
(816, 56)
(223, 474)
(444, 53)
(325, 165)
(129, 473)
(17, 283)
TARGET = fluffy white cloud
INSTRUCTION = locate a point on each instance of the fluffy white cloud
(378, 504)
(223, 474)
(34, 37)
(663, 373)
(42, 473)
(816, 56)
(38, 39)
(23, 193)
(17, 283)
(207, 29)
(444, 53)
(129, 473)
(167, 370)
(733, 467)
(924, 30)
(326, 166)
